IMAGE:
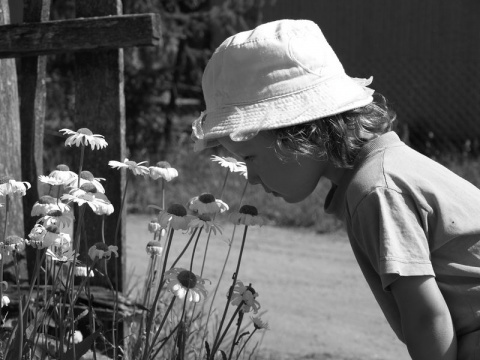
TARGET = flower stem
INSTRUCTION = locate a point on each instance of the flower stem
(230, 291)
(82, 156)
(218, 340)
(246, 341)
(157, 295)
(239, 323)
(185, 248)
(7, 208)
(158, 330)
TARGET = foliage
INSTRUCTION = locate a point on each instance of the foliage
(58, 314)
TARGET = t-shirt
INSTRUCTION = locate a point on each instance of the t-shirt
(407, 215)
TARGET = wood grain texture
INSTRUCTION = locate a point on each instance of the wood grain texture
(92, 33)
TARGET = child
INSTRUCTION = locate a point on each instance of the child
(278, 98)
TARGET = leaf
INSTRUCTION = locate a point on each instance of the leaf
(224, 355)
(82, 347)
(207, 349)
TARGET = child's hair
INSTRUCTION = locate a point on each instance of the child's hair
(339, 137)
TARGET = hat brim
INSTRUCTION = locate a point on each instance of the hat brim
(323, 99)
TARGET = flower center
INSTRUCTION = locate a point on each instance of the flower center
(206, 198)
(87, 175)
(89, 187)
(231, 160)
(177, 210)
(101, 246)
(56, 213)
(46, 199)
(187, 279)
(63, 167)
(249, 210)
(4, 179)
(52, 229)
(84, 131)
(163, 164)
(205, 217)
(130, 163)
(251, 289)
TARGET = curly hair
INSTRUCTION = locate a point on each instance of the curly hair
(338, 138)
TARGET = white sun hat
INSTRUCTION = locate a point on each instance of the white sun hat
(279, 74)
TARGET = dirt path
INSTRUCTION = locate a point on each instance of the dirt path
(319, 306)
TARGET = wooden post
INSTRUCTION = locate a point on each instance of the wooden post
(10, 159)
(32, 115)
(100, 106)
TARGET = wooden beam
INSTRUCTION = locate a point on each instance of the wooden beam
(93, 33)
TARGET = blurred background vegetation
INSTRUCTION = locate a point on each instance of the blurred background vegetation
(163, 95)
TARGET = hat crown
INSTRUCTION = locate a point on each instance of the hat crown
(273, 60)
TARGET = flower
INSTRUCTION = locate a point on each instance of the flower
(163, 170)
(77, 337)
(137, 169)
(84, 137)
(245, 296)
(57, 217)
(259, 324)
(154, 248)
(63, 174)
(86, 195)
(154, 226)
(206, 222)
(13, 244)
(105, 208)
(11, 187)
(101, 251)
(86, 177)
(38, 238)
(232, 164)
(182, 282)
(247, 215)
(207, 204)
(46, 203)
(5, 300)
(176, 216)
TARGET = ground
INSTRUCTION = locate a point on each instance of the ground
(317, 301)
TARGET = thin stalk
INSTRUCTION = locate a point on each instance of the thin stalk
(186, 246)
(195, 248)
(239, 323)
(158, 330)
(82, 156)
(246, 341)
(216, 344)
(7, 208)
(157, 295)
(235, 276)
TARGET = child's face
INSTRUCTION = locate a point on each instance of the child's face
(293, 179)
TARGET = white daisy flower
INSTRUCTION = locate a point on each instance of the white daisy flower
(163, 170)
(207, 204)
(137, 169)
(232, 164)
(11, 187)
(247, 215)
(84, 137)
(182, 282)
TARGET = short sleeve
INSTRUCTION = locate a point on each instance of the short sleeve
(389, 228)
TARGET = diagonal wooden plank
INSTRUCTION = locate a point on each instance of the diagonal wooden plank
(93, 33)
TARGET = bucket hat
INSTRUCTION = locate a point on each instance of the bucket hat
(279, 74)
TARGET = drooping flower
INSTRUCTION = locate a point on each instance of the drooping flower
(46, 203)
(5, 300)
(84, 137)
(77, 337)
(154, 248)
(101, 251)
(87, 195)
(37, 237)
(63, 174)
(13, 243)
(9, 186)
(86, 177)
(182, 282)
(137, 169)
(56, 217)
(207, 204)
(247, 215)
(206, 222)
(176, 216)
(105, 208)
(232, 164)
(163, 170)
(245, 295)
(259, 324)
